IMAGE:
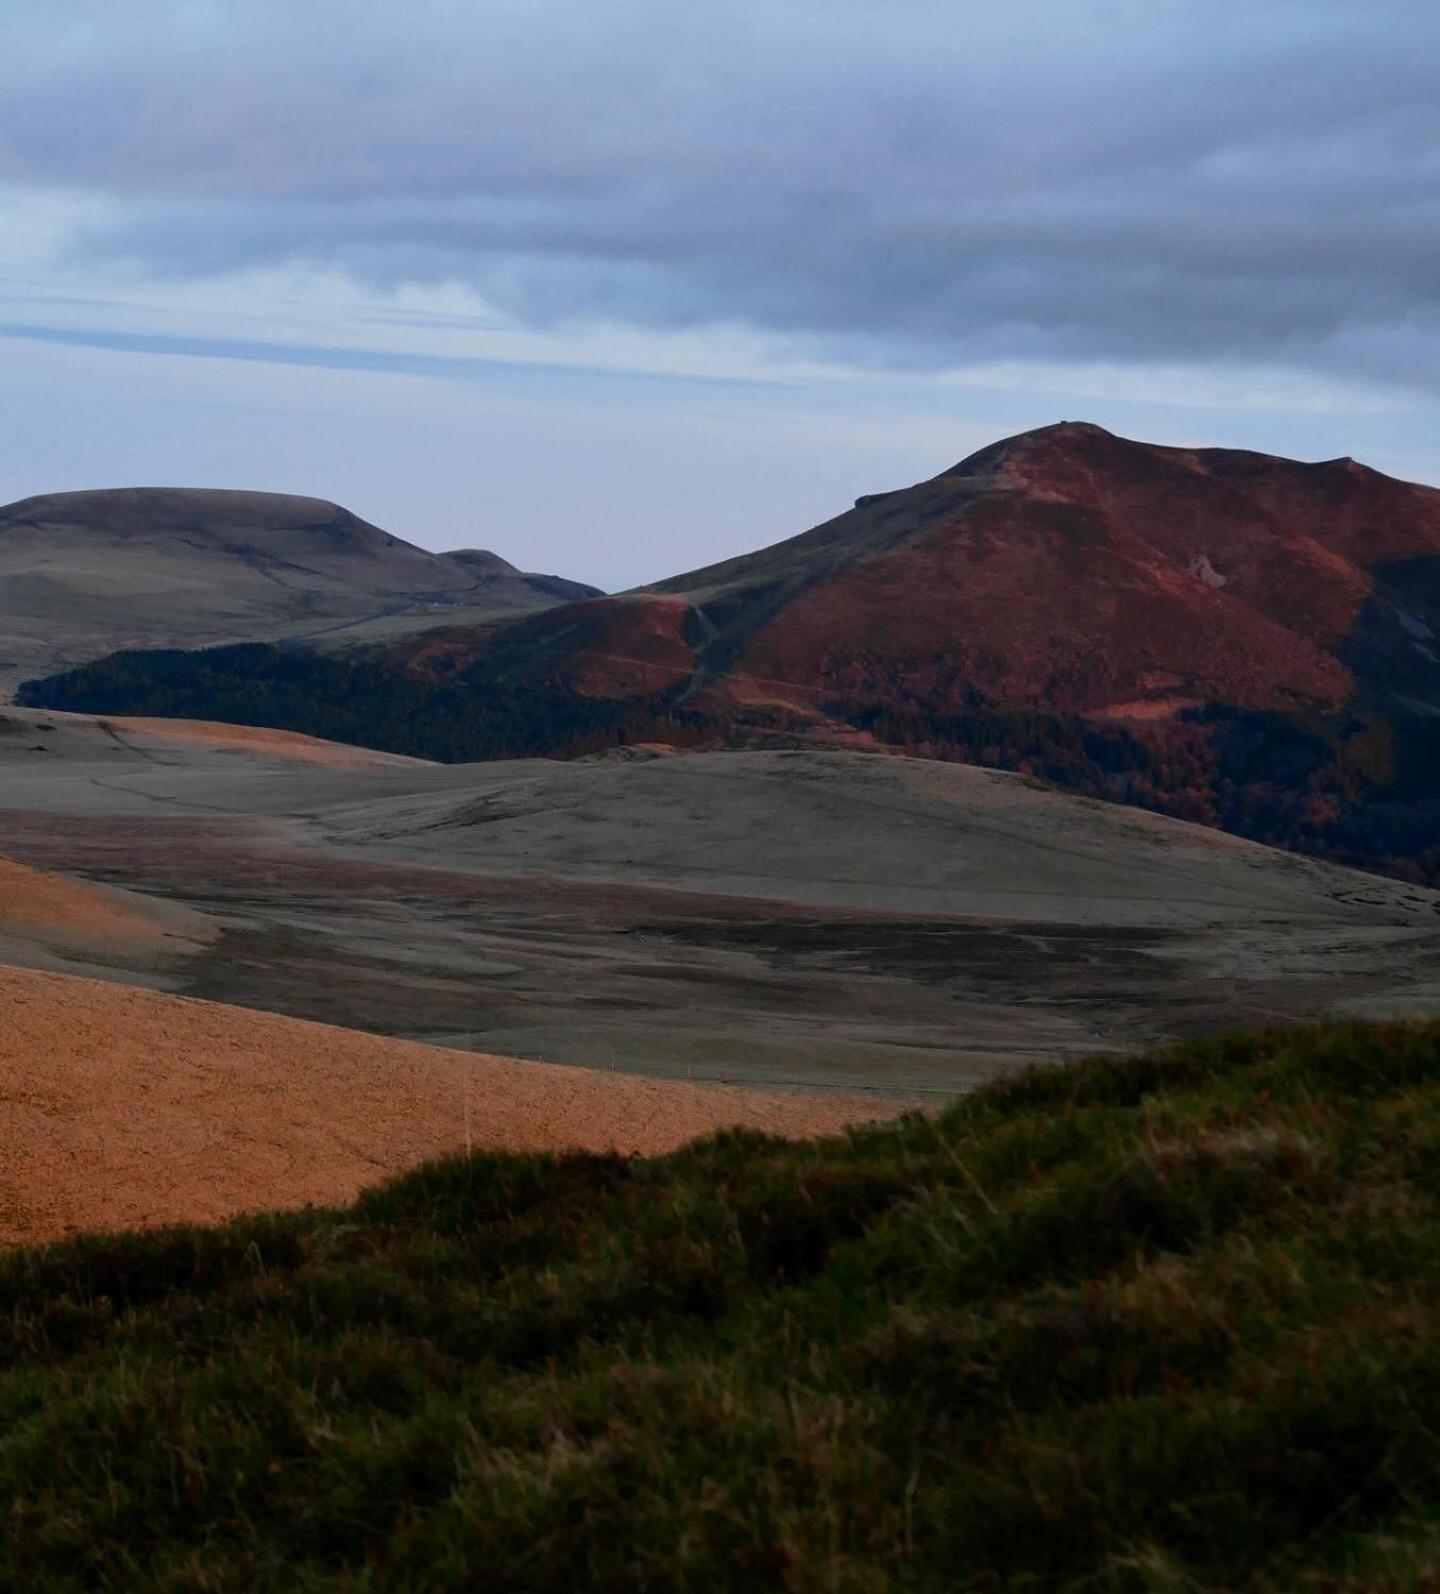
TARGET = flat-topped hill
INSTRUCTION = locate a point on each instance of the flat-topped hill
(86, 573)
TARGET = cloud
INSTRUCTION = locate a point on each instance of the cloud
(896, 183)
(329, 357)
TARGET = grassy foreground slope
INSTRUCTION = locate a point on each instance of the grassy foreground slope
(1166, 1322)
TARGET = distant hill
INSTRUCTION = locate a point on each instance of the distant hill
(501, 580)
(83, 574)
(1067, 570)
(1229, 637)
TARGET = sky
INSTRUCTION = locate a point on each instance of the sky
(621, 287)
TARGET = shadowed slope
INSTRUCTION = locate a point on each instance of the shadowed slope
(835, 919)
(1170, 1322)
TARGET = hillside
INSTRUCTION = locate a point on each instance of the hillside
(50, 920)
(83, 574)
(503, 582)
(831, 920)
(1065, 570)
(1072, 570)
(1227, 637)
(1167, 1322)
(153, 1109)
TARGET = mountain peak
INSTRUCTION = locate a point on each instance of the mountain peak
(1062, 437)
(481, 561)
(1069, 429)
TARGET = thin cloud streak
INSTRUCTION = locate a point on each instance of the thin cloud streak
(389, 362)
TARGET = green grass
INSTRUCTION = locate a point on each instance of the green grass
(1159, 1323)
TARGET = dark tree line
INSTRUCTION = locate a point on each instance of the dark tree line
(1357, 789)
(363, 701)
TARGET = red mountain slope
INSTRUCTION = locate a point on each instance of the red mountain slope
(1065, 569)
(1071, 569)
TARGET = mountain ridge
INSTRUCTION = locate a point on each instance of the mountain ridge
(1065, 568)
(90, 572)
(1222, 552)
(1217, 634)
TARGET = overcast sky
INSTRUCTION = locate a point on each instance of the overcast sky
(617, 287)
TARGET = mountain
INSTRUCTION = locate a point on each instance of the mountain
(83, 574)
(1226, 636)
(1074, 570)
(503, 582)
(1066, 569)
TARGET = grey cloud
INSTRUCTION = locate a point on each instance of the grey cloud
(900, 184)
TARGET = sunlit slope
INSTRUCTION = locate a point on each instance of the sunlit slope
(122, 1107)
